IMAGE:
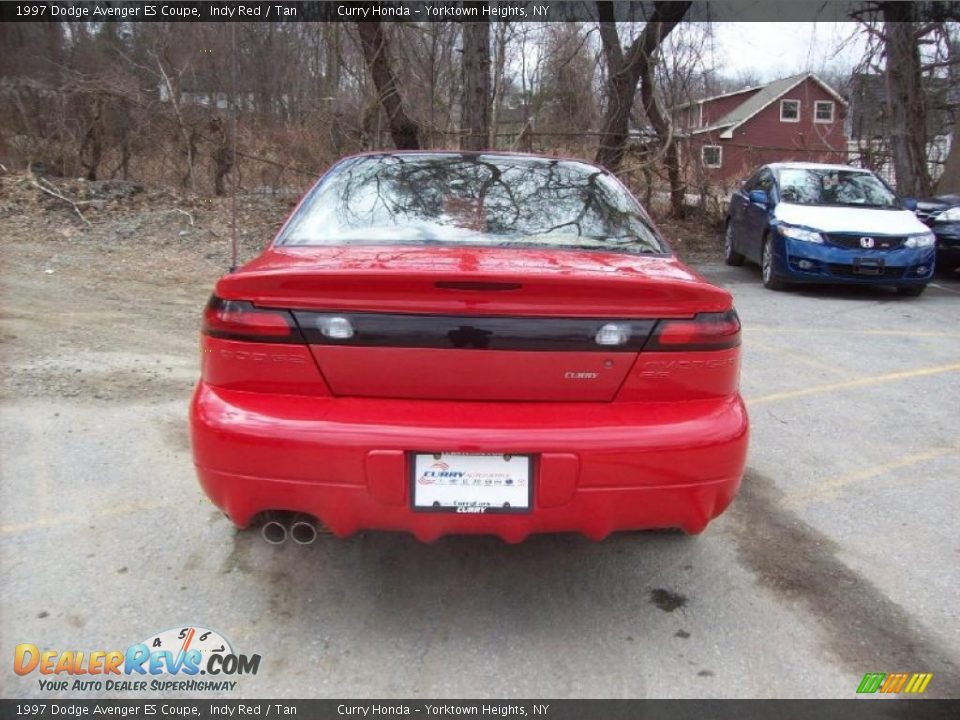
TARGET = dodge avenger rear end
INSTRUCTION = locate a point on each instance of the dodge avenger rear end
(446, 342)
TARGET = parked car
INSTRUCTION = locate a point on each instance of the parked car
(448, 342)
(942, 215)
(817, 223)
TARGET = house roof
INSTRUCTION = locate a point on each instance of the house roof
(767, 95)
(718, 97)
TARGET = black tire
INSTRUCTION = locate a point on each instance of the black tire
(769, 277)
(730, 256)
(911, 290)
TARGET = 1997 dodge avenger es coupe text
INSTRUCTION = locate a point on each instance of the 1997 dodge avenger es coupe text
(448, 342)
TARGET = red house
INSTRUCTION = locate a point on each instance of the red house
(795, 118)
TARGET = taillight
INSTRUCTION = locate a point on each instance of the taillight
(706, 331)
(241, 320)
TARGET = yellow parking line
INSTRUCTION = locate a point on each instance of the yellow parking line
(831, 487)
(860, 382)
(62, 520)
(799, 358)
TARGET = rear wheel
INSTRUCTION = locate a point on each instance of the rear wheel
(770, 279)
(730, 256)
(911, 290)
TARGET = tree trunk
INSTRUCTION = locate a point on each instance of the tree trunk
(653, 35)
(499, 67)
(623, 74)
(223, 157)
(906, 104)
(403, 130)
(332, 60)
(91, 150)
(475, 101)
(621, 87)
(949, 181)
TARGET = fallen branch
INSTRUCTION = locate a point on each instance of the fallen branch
(57, 195)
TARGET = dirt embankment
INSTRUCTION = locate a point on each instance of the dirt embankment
(103, 287)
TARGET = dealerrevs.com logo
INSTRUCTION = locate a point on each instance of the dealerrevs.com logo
(185, 659)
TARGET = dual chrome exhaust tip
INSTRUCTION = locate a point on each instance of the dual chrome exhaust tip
(277, 527)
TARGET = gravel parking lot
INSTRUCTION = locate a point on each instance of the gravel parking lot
(840, 556)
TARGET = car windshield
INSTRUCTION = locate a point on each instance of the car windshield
(472, 199)
(829, 186)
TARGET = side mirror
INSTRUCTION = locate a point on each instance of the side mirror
(910, 204)
(760, 197)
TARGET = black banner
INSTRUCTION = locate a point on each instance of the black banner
(437, 11)
(864, 709)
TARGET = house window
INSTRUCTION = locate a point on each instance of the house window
(789, 111)
(712, 156)
(823, 111)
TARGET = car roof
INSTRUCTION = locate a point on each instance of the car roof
(814, 166)
(460, 153)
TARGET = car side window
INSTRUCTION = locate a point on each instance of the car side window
(765, 182)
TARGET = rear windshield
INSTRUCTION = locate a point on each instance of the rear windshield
(802, 186)
(488, 200)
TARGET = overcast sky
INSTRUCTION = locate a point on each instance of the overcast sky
(773, 50)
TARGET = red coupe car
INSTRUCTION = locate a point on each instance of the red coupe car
(454, 342)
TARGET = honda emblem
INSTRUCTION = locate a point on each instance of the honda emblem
(866, 242)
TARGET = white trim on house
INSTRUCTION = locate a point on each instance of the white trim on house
(703, 156)
(836, 96)
(816, 109)
(784, 101)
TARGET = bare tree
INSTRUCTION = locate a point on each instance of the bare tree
(949, 181)
(906, 106)
(475, 102)
(427, 58)
(655, 112)
(912, 46)
(565, 100)
(403, 130)
(624, 70)
(501, 38)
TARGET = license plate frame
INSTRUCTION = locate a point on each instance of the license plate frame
(463, 494)
(868, 266)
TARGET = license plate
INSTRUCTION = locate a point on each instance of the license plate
(471, 483)
(867, 266)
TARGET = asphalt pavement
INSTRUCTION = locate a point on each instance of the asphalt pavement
(841, 555)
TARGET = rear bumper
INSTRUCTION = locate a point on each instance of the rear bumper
(600, 467)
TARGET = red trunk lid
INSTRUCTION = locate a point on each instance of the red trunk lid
(473, 323)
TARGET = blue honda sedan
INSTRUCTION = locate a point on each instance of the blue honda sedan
(815, 223)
